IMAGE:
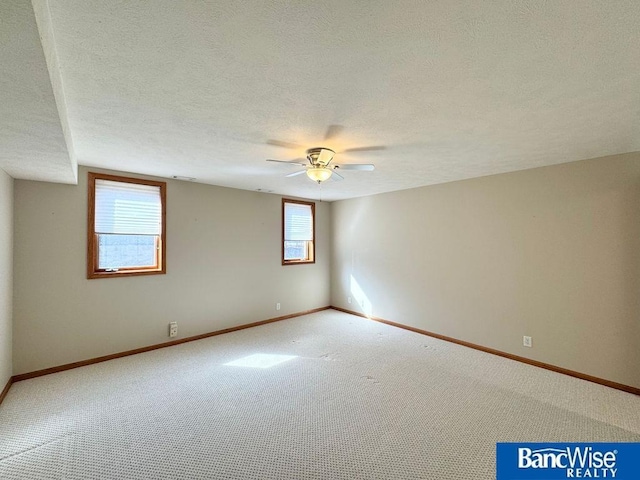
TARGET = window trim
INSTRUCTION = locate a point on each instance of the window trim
(92, 238)
(313, 242)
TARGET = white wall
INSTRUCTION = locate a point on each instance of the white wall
(6, 277)
(223, 269)
(552, 252)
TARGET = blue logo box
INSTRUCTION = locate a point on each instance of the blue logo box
(559, 461)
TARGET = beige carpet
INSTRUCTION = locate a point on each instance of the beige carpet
(344, 398)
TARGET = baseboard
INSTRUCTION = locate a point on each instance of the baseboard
(91, 361)
(535, 363)
(5, 390)
(547, 366)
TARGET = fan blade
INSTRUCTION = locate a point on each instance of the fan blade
(333, 131)
(372, 148)
(278, 143)
(296, 173)
(297, 161)
(357, 166)
(335, 176)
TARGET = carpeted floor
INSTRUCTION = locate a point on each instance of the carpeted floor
(344, 398)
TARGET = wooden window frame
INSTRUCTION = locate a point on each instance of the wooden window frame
(92, 238)
(312, 243)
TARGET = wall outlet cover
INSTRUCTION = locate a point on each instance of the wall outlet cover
(173, 329)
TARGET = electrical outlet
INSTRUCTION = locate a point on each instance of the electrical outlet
(277, 306)
(173, 329)
(348, 299)
(526, 341)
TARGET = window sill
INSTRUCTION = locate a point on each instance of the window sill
(124, 273)
(297, 262)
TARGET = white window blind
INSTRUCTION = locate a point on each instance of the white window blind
(127, 208)
(298, 222)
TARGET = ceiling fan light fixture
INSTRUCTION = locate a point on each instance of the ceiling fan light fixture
(320, 155)
(319, 175)
(325, 156)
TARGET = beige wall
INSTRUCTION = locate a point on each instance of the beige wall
(223, 269)
(553, 253)
(6, 276)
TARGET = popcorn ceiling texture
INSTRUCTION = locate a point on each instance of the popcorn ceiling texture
(454, 89)
(361, 400)
(32, 143)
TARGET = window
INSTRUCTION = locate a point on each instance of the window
(298, 232)
(126, 226)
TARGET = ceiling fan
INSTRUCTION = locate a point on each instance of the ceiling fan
(318, 164)
(320, 168)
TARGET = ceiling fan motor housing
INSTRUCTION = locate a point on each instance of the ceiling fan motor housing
(320, 156)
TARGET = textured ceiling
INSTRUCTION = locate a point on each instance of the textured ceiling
(453, 89)
(32, 141)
